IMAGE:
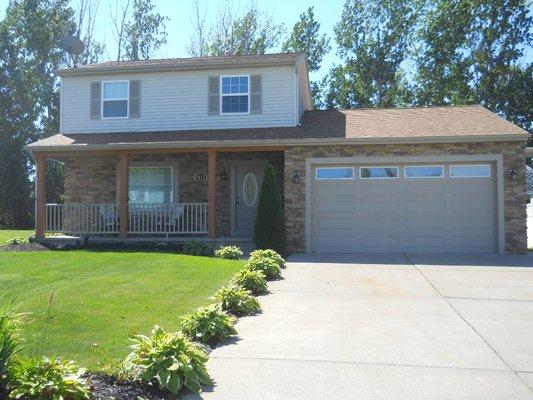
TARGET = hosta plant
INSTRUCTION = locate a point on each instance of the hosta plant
(266, 265)
(237, 300)
(268, 254)
(254, 281)
(169, 360)
(208, 324)
(16, 240)
(229, 252)
(50, 379)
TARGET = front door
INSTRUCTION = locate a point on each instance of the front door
(248, 178)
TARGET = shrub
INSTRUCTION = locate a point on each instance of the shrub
(269, 230)
(43, 379)
(229, 252)
(208, 324)
(267, 266)
(16, 240)
(237, 300)
(195, 248)
(254, 281)
(268, 254)
(10, 341)
(170, 360)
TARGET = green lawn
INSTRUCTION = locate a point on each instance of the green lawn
(101, 298)
(8, 234)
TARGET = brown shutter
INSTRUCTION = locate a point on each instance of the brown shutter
(96, 100)
(135, 99)
(213, 96)
(256, 101)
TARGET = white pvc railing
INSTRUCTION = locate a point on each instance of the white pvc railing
(82, 218)
(179, 218)
(168, 218)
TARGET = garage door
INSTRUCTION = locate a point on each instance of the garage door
(404, 207)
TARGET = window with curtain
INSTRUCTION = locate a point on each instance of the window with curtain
(150, 185)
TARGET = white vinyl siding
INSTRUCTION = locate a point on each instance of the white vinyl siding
(178, 101)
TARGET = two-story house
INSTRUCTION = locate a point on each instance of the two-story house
(175, 148)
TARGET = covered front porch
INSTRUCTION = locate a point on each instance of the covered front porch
(155, 195)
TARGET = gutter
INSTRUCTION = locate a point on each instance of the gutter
(221, 144)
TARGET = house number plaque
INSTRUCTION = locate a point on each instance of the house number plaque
(200, 177)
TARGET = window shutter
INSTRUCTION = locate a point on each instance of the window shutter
(135, 99)
(256, 106)
(213, 99)
(96, 99)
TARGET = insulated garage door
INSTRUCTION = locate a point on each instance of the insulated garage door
(404, 208)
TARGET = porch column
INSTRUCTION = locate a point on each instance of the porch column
(212, 192)
(40, 195)
(123, 194)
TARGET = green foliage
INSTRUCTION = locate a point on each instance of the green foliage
(169, 359)
(229, 252)
(254, 281)
(10, 340)
(195, 248)
(47, 379)
(269, 230)
(237, 300)
(266, 265)
(145, 33)
(268, 253)
(15, 240)
(208, 324)
(305, 38)
(252, 33)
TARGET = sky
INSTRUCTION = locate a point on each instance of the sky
(180, 13)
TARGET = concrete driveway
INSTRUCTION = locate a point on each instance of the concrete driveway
(386, 327)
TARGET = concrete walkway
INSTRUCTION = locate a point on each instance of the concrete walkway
(386, 327)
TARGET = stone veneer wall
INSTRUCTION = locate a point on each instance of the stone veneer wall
(94, 179)
(514, 190)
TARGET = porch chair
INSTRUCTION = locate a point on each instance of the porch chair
(110, 218)
(175, 216)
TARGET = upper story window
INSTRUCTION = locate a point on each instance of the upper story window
(115, 95)
(235, 94)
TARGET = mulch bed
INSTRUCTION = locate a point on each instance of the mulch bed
(24, 247)
(106, 387)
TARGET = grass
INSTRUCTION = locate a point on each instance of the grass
(101, 298)
(5, 235)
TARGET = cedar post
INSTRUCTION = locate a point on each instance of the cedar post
(212, 192)
(40, 195)
(123, 193)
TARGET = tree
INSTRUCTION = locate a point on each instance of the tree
(473, 52)
(145, 32)
(372, 38)
(197, 40)
(269, 230)
(305, 38)
(232, 34)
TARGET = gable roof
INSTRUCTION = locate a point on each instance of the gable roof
(357, 126)
(170, 64)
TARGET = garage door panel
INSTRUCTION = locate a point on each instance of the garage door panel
(416, 215)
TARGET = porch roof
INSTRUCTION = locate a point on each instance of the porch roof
(407, 125)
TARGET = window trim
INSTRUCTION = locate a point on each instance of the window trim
(234, 94)
(154, 166)
(470, 176)
(423, 177)
(127, 98)
(334, 179)
(380, 177)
